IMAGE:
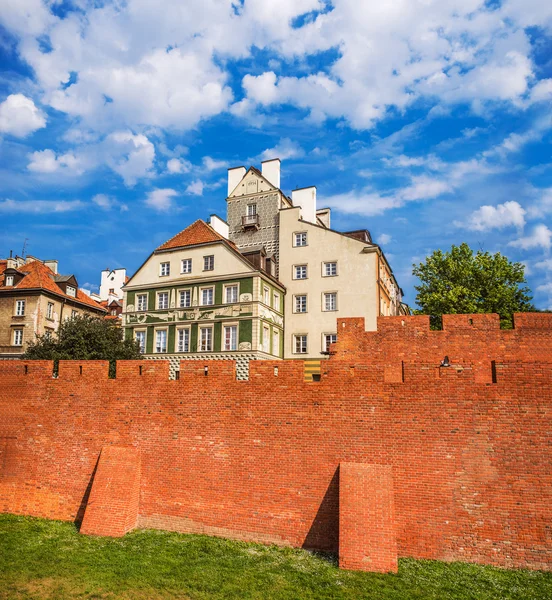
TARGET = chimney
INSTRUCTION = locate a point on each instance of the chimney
(306, 199)
(52, 265)
(270, 170)
(219, 226)
(235, 175)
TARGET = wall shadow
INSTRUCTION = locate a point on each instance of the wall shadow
(323, 534)
(84, 501)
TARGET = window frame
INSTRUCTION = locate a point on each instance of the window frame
(203, 289)
(295, 267)
(161, 265)
(223, 337)
(267, 339)
(227, 287)
(145, 332)
(50, 311)
(158, 305)
(295, 304)
(20, 304)
(9, 281)
(200, 337)
(294, 343)
(253, 212)
(17, 332)
(138, 309)
(324, 304)
(187, 261)
(209, 262)
(159, 330)
(329, 262)
(276, 301)
(325, 346)
(182, 291)
(71, 291)
(275, 336)
(188, 329)
(298, 236)
(266, 295)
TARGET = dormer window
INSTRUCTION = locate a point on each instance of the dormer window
(71, 291)
(9, 280)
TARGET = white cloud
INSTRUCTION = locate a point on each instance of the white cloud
(46, 161)
(19, 116)
(39, 206)
(424, 188)
(195, 188)
(543, 205)
(102, 201)
(179, 165)
(284, 149)
(544, 264)
(161, 199)
(542, 91)
(211, 164)
(541, 237)
(509, 214)
(383, 239)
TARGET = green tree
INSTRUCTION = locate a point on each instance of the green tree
(460, 281)
(85, 338)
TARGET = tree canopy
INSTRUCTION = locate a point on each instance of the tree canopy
(85, 338)
(461, 281)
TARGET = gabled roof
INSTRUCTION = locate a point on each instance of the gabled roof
(39, 276)
(196, 233)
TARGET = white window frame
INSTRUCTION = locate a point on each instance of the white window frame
(50, 310)
(325, 266)
(325, 345)
(223, 340)
(138, 307)
(159, 307)
(74, 313)
(266, 295)
(9, 280)
(145, 332)
(201, 348)
(298, 303)
(177, 347)
(251, 209)
(276, 341)
(155, 346)
(180, 292)
(296, 271)
(20, 306)
(266, 338)
(71, 291)
(17, 337)
(325, 297)
(209, 262)
(300, 239)
(276, 301)
(229, 287)
(204, 289)
(188, 263)
(295, 338)
(164, 269)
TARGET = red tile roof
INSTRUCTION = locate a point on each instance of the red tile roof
(38, 275)
(196, 233)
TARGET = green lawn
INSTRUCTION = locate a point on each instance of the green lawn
(49, 559)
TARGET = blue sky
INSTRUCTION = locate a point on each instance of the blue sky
(428, 122)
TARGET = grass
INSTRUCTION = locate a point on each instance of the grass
(50, 559)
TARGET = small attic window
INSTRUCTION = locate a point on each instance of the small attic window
(9, 279)
(71, 291)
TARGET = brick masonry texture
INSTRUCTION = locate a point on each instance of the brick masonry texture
(451, 463)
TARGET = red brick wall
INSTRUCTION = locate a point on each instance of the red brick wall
(469, 446)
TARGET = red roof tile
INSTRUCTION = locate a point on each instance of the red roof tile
(38, 275)
(196, 233)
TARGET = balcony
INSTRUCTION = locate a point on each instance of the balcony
(250, 222)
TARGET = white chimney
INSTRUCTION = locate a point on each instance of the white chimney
(52, 265)
(235, 175)
(270, 170)
(306, 199)
(219, 226)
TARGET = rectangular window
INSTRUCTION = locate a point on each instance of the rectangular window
(300, 344)
(329, 338)
(266, 296)
(20, 308)
(186, 265)
(231, 294)
(230, 337)
(301, 304)
(266, 339)
(208, 263)
(330, 269)
(330, 301)
(300, 272)
(161, 341)
(185, 298)
(18, 337)
(207, 296)
(74, 313)
(275, 342)
(205, 339)
(142, 302)
(164, 269)
(140, 337)
(183, 340)
(48, 333)
(71, 291)
(9, 279)
(162, 300)
(276, 301)
(300, 239)
(251, 210)
(50, 310)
